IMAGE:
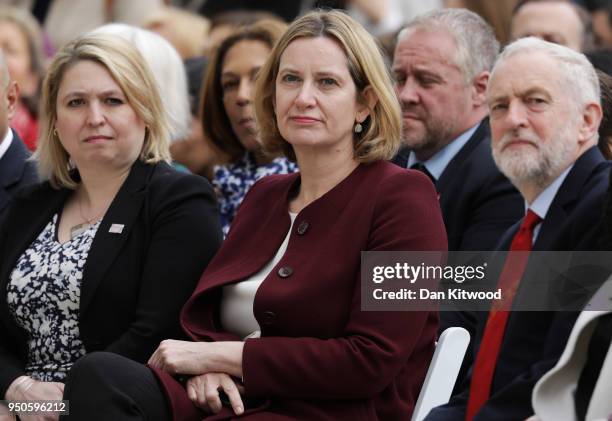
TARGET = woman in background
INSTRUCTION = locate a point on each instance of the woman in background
(21, 40)
(167, 69)
(228, 118)
(102, 255)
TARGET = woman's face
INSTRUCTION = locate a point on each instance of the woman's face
(14, 44)
(316, 99)
(95, 123)
(240, 66)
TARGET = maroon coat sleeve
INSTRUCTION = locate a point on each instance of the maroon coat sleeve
(376, 346)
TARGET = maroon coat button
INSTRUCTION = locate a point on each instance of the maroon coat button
(285, 272)
(302, 228)
(268, 318)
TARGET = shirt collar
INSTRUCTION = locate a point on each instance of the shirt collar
(6, 142)
(437, 163)
(542, 202)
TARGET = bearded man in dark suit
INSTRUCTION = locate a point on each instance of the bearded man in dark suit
(441, 65)
(544, 111)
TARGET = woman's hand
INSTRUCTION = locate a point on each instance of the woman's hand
(181, 357)
(204, 390)
(195, 358)
(28, 389)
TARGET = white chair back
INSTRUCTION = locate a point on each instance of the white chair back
(442, 372)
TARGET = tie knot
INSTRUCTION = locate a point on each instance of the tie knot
(530, 221)
(419, 166)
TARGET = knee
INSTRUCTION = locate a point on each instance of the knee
(95, 364)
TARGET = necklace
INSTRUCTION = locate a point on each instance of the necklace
(79, 229)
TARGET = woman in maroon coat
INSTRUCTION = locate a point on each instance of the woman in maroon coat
(276, 320)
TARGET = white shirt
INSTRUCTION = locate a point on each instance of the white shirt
(438, 163)
(6, 142)
(237, 301)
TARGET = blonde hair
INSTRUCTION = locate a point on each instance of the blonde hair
(186, 31)
(167, 68)
(380, 138)
(128, 69)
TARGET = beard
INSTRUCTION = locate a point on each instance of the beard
(539, 164)
(427, 133)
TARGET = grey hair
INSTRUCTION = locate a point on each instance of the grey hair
(4, 73)
(167, 68)
(580, 76)
(477, 47)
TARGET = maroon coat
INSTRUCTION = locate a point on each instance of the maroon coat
(320, 356)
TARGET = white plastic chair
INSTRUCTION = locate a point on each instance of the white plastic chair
(442, 372)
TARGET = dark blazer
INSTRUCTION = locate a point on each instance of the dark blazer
(15, 170)
(478, 205)
(134, 283)
(478, 202)
(320, 356)
(534, 341)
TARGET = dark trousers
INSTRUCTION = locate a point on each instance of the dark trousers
(105, 386)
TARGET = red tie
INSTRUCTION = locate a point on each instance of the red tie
(510, 278)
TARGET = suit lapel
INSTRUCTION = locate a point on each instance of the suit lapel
(449, 174)
(566, 197)
(11, 168)
(106, 246)
(12, 163)
(4, 199)
(27, 220)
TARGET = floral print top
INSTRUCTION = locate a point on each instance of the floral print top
(233, 181)
(43, 296)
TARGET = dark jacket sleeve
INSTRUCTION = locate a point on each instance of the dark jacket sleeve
(11, 365)
(185, 235)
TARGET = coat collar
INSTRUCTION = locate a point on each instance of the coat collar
(335, 199)
(273, 223)
(120, 216)
(450, 172)
(567, 196)
(12, 168)
(12, 164)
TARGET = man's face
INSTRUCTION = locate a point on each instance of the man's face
(435, 96)
(534, 124)
(555, 22)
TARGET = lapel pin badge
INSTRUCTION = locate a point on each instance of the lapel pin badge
(116, 228)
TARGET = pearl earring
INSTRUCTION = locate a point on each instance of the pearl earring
(358, 128)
